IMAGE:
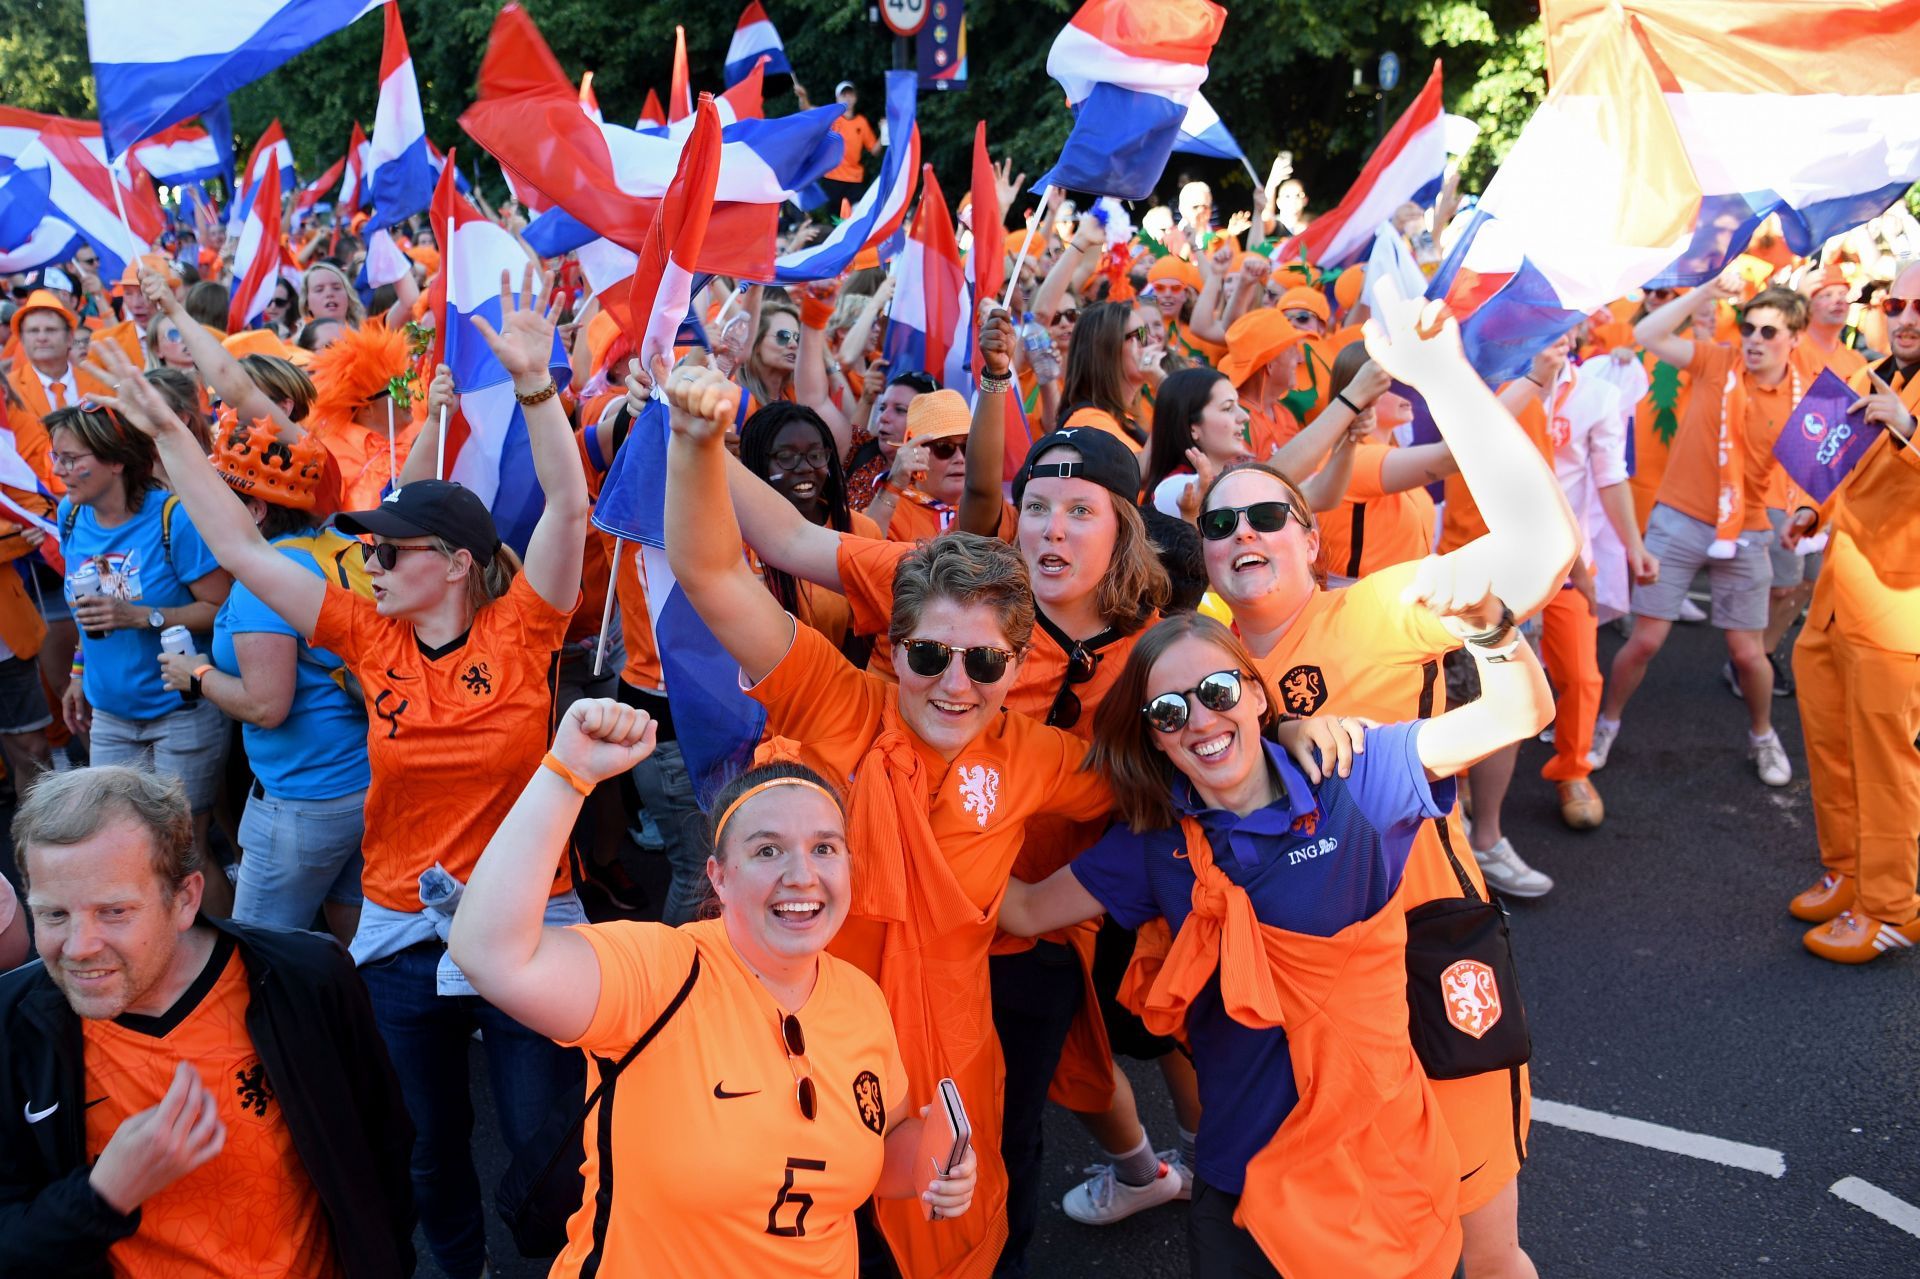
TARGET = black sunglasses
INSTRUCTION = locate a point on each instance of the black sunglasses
(1767, 332)
(1067, 314)
(789, 458)
(983, 664)
(1081, 664)
(1899, 306)
(1222, 522)
(1219, 691)
(387, 553)
(795, 1041)
(943, 450)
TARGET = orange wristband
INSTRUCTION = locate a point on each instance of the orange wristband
(200, 671)
(551, 763)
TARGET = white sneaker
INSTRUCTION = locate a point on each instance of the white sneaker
(1603, 735)
(1506, 872)
(1690, 612)
(1103, 1198)
(1770, 760)
(1172, 1159)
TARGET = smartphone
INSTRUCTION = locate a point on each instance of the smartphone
(944, 1142)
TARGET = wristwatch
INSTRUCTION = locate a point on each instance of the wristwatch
(156, 619)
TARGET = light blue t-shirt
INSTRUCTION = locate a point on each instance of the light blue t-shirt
(123, 668)
(320, 750)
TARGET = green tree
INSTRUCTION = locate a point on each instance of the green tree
(43, 57)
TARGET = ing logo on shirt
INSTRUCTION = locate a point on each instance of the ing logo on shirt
(980, 790)
(1303, 690)
(867, 1100)
(253, 1089)
(479, 680)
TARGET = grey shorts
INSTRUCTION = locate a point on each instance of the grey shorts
(296, 854)
(190, 743)
(23, 703)
(1739, 585)
(1789, 569)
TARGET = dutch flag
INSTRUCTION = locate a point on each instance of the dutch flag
(1130, 69)
(261, 258)
(882, 208)
(400, 168)
(931, 315)
(753, 39)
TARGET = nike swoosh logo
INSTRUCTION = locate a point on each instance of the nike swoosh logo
(396, 675)
(35, 1116)
(1483, 1164)
(719, 1090)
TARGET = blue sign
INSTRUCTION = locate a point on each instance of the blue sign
(1389, 71)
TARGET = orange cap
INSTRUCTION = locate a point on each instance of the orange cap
(1174, 270)
(1830, 276)
(426, 257)
(43, 300)
(938, 415)
(1253, 339)
(256, 459)
(258, 342)
(130, 278)
(1306, 299)
(1346, 289)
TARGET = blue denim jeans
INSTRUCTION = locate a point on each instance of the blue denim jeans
(666, 791)
(428, 1036)
(296, 854)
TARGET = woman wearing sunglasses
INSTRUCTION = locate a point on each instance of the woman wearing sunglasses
(454, 655)
(943, 784)
(1328, 1142)
(767, 372)
(1107, 367)
(1366, 651)
(770, 1102)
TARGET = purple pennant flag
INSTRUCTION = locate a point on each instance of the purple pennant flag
(1425, 429)
(1821, 441)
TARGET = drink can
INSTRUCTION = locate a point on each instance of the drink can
(179, 641)
(83, 581)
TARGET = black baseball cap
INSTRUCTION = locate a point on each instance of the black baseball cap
(429, 508)
(1103, 459)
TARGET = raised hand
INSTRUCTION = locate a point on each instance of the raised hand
(703, 401)
(1005, 187)
(1457, 592)
(154, 286)
(161, 1144)
(639, 387)
(996, 339)
(600, 738)
(1323, 745)
(1413, 339)
(1884, 405)
(440, 393)
(524, 341)
(1239, 223)
(137, 401)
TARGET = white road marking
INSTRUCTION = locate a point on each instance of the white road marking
(1864, 1194)
(1639, 1132)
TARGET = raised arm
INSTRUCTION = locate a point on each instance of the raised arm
(981, 503)
(216, 364)
(812, 385)
(1659, 329)
(778, 534)
(545, 978)
(1304, 453)
(703, 541)
(524, 347)
(218, 514)
(1531, 539)
(853, 347)
(1416, 465)
(423, 460)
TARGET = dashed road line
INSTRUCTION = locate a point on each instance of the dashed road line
(1638, 1132)
(1864, 1194)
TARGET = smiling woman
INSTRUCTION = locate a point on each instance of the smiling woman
(763, 1054)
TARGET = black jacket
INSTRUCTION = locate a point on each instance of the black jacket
(314, 1030)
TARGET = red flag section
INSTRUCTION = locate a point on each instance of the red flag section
(662, 286)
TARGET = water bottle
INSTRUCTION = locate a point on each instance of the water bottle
(1039, 346)
(178, 640)
(83, 582)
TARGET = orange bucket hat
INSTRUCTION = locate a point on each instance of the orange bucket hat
(1305, 299)
(1253, 339)
(42, 300)
(938, 415)
(1176, 271)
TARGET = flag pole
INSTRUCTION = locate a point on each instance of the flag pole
(606, 610)
(393, 449)
(1026, 242)
(118, 167)
(440, 449)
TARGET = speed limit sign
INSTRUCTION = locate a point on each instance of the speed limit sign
(904, 17)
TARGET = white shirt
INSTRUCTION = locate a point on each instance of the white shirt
(65, 381)
(1587, 425)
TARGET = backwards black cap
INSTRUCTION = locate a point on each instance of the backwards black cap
(430, 508)
(1104, 460)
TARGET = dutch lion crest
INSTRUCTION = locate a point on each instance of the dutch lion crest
(980, 790)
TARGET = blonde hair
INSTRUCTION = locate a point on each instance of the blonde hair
(489, 581)
(356, 310)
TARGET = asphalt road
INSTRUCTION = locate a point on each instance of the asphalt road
(1664, 982)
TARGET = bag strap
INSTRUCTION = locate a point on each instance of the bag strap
(166, 529)
(1459, 871)
(659, 1024)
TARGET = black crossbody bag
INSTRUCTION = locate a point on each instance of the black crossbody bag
(1464, 1013)
(544, 1186)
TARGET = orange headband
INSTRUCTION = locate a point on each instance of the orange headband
(720, 827)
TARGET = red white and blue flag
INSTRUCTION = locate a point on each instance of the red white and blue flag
(1804, 109)
(181, 154)
(153, 67)
(1409, 160)
(1130, 69)
(400, 168)
(609, 180)
(876, 218)
(931, 318)
(353, 178)
(487, 445)
(663, 283)
(1203, 132)
(271, 151)
(58, 191)
(318, 189)
(754, 39)
(261, 258)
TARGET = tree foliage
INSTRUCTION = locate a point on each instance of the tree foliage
(1287, 74)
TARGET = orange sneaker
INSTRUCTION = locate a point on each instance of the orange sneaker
(1833, 894)
(1850, 938)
